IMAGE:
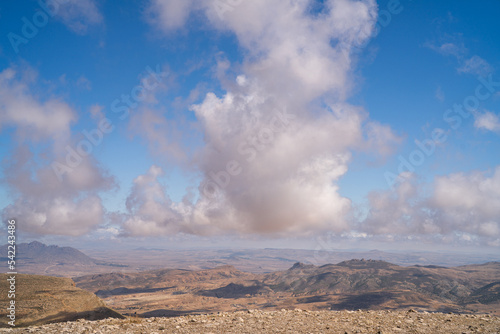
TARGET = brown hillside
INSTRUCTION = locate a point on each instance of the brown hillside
(46, 299)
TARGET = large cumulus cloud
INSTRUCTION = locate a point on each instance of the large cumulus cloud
(279, 139)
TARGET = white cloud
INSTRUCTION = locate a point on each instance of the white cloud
(487, 121)
(58, 215)
(469, 200)
(459, 204)
(41, 202)
(287, 167)
(381, 140)
(475, 65)
(34, 120)
(77, 15)
(150, 209)
(395, 212)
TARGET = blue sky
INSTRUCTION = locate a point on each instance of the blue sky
(206, 150)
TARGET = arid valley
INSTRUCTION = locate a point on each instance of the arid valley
(355, 284)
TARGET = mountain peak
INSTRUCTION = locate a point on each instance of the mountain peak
(37, 244)
(300, 265)
(38, 252)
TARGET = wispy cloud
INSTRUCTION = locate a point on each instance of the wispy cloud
(456, 49)
(440, 94)
(77, 15)
(475, 65)
(466, 64)
(169, 14)
(84, 83)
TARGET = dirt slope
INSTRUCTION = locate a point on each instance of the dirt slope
(46, 299)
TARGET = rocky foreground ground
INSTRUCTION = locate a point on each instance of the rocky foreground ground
(284, 321)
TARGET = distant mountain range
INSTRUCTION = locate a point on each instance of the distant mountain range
(455, 285)
(269, 260)
(353, 284)
(38, 258)
(37, 252)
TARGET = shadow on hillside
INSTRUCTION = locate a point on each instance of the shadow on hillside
(127, 291)
(487, 294)
(363, 301)
(97, 314)
(234, 291)
(169, 313)
(313, 299)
